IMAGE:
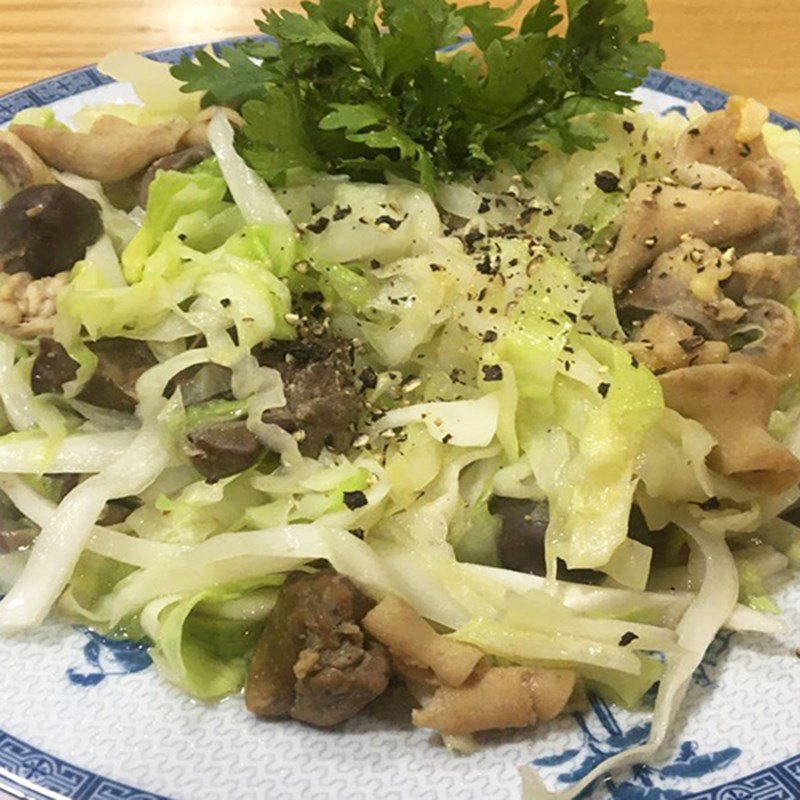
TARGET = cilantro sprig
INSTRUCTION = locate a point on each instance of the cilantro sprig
(366, 87)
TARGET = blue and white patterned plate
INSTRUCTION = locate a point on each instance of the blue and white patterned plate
(86, 718)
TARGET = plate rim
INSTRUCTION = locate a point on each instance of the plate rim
(783, 775)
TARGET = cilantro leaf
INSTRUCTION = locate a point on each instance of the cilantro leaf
(369, 87)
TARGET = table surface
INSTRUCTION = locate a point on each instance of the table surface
(744, 46)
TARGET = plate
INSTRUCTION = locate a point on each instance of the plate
(87, 718)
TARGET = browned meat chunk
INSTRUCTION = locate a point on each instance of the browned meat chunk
(764, 275)
(120, 363)
(19, 165)
(499, 697)
(223, 448)
(322, 402)
(657, 216)
(113, 150)
(734, 401)
(732, 140)
(665, 342)
(728, 139)
(312, 661)
(685, 282)
(782, 234)
(777, 348)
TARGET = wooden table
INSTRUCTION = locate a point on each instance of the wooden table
(745, 46)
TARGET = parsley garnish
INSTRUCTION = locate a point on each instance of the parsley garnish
(363, 87)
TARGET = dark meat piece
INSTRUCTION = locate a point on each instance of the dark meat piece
(312, 661)
(45, 229)
(180, 161)
(120, 363)
(321, 396)
(52, 367)
(223, 448)
(521, 541)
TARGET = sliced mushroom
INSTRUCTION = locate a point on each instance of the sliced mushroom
(394, 623)
(734, 402)
(764, 275)
(658, 216)
(113, 149)
(498, 697)
(46, 229)
(778, 349)
(19, 165)
(665, 343)
(685, 282)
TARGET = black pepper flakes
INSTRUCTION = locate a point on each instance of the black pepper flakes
(606, 181)
(385, 219)
(471, 238)
(490, 336)
(582, 230)
(492, 372)
(368, 378)
(355, 499)
(318, 225)
(484, 206)
(627, 638)
(602, 389)
(357, 532)
(628, 126)
(341, 212)
(484, 266)
(446, 438)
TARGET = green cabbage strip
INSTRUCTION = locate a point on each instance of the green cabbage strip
(706, 614)
(63, 537)
(202, 653)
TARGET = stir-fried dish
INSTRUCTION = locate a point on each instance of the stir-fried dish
(368, 354)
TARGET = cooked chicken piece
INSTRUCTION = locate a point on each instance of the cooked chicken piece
(657, 217)
(778, 350)
(727, 139)
(685, 282)
(28, 306)
(394, 623)
(112, 150)
(734, 402)
(19, 165)
(665, 343)
(498, 697)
